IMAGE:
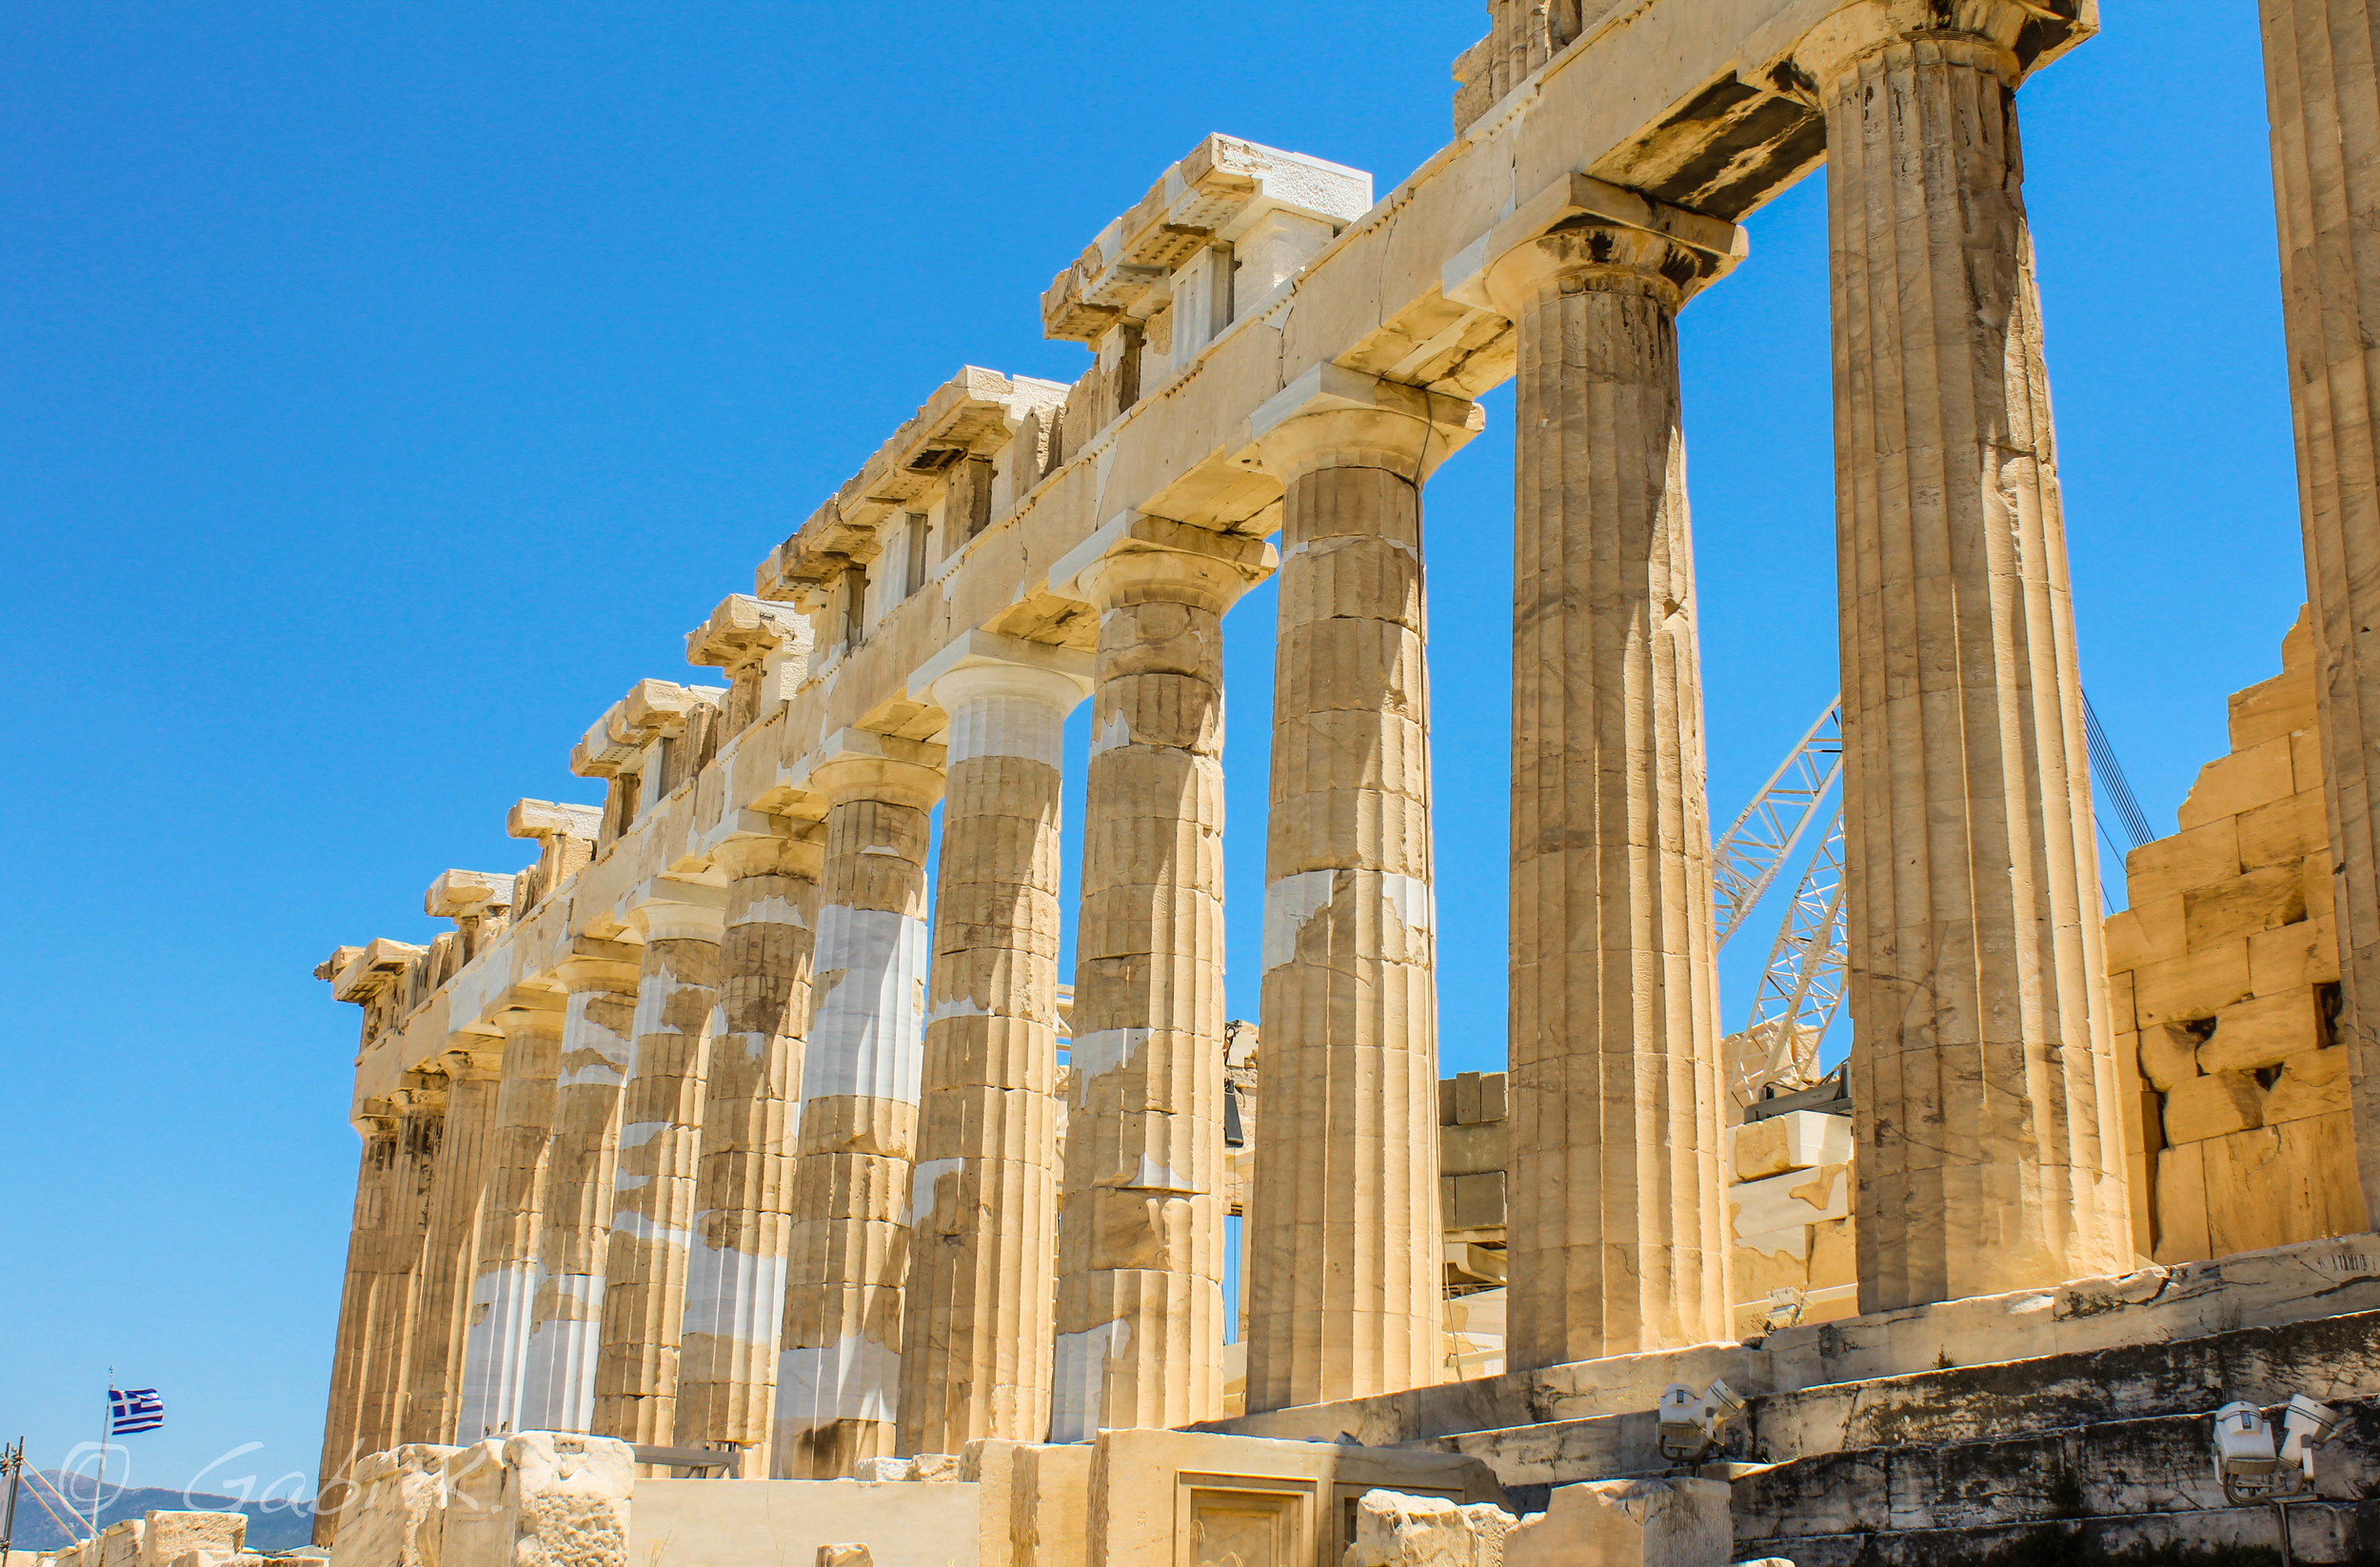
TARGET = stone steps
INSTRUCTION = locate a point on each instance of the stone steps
(2331, 1357)
(2108, 1469)
(2237, 1537)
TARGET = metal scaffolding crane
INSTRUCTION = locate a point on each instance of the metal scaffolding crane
(1801, 987)
(1750, 853)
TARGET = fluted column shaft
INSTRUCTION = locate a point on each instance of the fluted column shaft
(735, 1298)
(1141, 1232)
(839, 1369)
(2322, 72)
(1991, 1152)
(390, 1173)
(975, 1358)
(653, 1181)
(1346, 1270)
(598, 1033)
(399, 1225)
(450, 1250)
(1616, 1232)
(504, 1294)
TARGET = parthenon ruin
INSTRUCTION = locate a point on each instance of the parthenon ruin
(755, 1128)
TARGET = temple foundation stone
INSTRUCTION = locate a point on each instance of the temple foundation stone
(1617, 1230)
(2322, 75)
(1140, 1242)
(1991, 1147)
(1345, 1266)
(839, 1366)
(983, 1211)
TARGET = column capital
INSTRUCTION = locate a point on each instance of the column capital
(1332, 417)
(669, 908)
(593, 963)
(1995, 35)
(1158, 557)
(789, 849)
(863, 764)
(525, 1009)
(985, 663)
(1581, 233)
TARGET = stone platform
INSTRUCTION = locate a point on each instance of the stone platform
(2064, 1425)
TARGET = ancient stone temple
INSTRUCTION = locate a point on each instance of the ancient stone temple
(742, 1180)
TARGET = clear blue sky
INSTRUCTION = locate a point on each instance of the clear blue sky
(389, 385)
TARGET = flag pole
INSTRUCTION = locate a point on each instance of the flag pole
(106, 1420)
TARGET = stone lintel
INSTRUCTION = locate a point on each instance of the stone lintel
(1221, 191)
(989, 650)
(1135, 533)
(462, 894)
(543, 819)
(1714, 244)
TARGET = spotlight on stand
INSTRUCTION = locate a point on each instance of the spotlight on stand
(1692, 1424)
(2251, 1467)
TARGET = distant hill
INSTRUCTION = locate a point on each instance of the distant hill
(277, 1525)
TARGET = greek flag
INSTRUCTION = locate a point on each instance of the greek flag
(138, 1410)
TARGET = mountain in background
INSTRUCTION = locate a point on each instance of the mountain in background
(278, 1524)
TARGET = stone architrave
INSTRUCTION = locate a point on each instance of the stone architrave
(653, 1180)
(735, 1295)
(558, 1387)
(1989, 1126)
(839, 1363)
(2322, 74)
(1617, 1233)
(452, 1239)
(504, 1293)
(1345, 1266)
(1141, 1236)
(983, 1207)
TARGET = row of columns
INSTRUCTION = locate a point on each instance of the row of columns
(630, 1276)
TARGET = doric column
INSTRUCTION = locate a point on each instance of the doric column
(653, 1180)
(2322, 72)
(598, 1024)
(504, 1292)
(1140, 1237)
(370, 977)
(1616, 1229)
(1346, 1264)
(480, 903)
(450, 1240)
(406, 1160)
(839, 1370)
(983, 1209)
(1983, 1078)
(735, 1297)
